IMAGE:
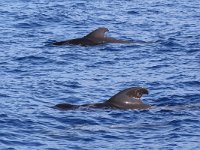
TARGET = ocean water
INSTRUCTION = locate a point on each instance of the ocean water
(35, 75)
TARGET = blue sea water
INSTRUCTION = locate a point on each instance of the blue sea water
(35, 76)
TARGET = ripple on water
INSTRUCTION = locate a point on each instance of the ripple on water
(35, 75)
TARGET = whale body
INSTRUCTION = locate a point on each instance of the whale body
(126, 99)
(96, 37)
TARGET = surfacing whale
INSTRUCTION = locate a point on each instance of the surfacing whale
(96, 37)
(126, 99)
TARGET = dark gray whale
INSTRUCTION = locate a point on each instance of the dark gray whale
(96, 37)
(126, 99)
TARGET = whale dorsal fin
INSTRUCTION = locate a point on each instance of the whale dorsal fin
(136, 92)
(98, 33)
(127, 94)
(129, 99)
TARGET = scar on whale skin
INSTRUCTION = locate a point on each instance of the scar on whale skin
(96, 37)
(126, 99)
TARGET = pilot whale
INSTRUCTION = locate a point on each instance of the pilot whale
(96, 37)
(125, 99)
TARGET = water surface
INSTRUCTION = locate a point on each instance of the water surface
(35, 76)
